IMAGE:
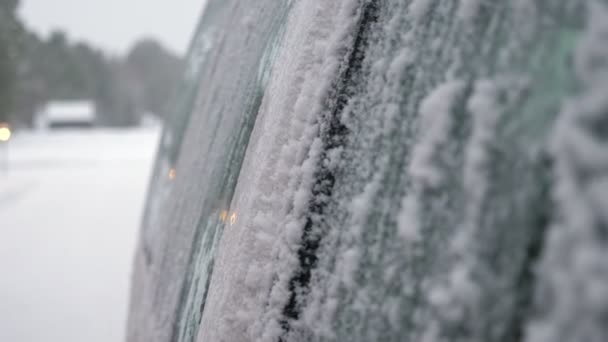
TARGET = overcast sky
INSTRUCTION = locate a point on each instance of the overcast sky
(114, 25)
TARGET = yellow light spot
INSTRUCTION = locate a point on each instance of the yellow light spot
(172, 174)
(223, 216)
(5, 133)
(233, 219)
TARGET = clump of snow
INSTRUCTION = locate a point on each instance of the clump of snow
(408, 220)
(360, 208)
(418, 9)
(404, 58)
(435, 125)
(425, 169)
(455, 296)
(469, 9)
(486, 113)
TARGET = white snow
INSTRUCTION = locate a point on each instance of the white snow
(276, 178)
(435, 125)
(366, 269)
(486, 113)
(425, 169)
(455, 297)
(418, 9)
(468, 9)
(69, 213)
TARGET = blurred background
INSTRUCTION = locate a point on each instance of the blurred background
(84, 87)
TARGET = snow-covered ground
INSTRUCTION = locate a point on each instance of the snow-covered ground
(70, 208)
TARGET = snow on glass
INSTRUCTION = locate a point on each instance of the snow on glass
(415, 171)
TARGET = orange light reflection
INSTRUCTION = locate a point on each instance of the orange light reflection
(233, 219)
(223, 216)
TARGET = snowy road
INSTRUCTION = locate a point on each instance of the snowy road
(69, 212)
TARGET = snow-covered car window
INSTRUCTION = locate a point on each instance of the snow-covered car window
(198, 166)
(386, 171)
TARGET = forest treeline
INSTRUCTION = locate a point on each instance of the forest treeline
(34, 70)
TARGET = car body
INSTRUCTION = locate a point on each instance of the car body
(392, 170)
